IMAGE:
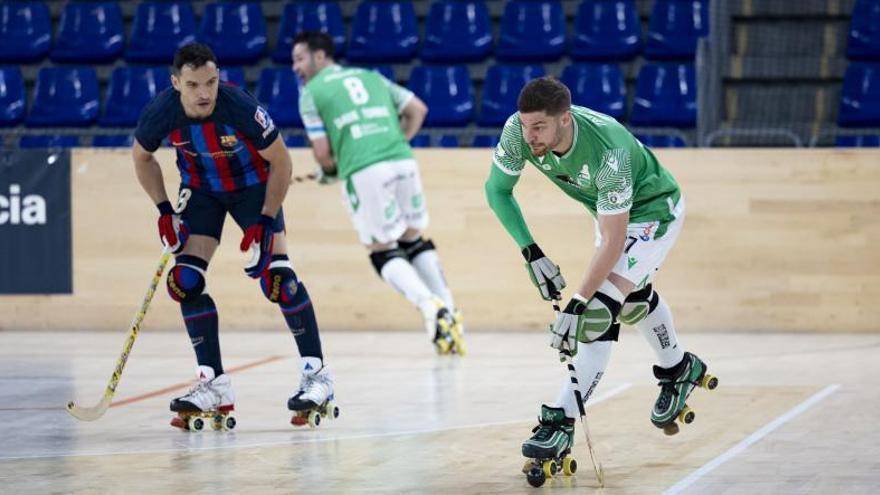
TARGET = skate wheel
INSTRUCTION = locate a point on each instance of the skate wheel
(217, 423)
(569, 466)
(709, 382)
(536, 477)
(298, 420)
(196, 423)
(178, 422)
(687, 415)
(550, 468)
(671, 429)
(442, 346)
(314, 419)
(229, 423)
(334, 410)
(529, 464)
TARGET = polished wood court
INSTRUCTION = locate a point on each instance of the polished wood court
(793, 414)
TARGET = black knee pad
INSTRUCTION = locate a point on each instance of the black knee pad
(186, 280)
(638, 305)
(279, 282)
(380, 258)
(416, 247)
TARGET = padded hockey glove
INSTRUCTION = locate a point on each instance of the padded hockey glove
(543, 272)
(565, 329)
(173, 231)
(259, 239)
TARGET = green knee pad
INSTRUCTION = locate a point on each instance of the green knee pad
(638, 305)
(597, 318)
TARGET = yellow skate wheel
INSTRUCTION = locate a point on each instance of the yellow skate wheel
(314, 419)
(442, 345)
(550, 468)
(569, 465)
(709, 382)
(687, 415)
(195, 423)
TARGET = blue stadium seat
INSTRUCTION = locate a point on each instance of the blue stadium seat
(860, 96)
(661, 141)
(65, 96)
(457, 31)
(500, 90)
(234, 76)
(131, 88)
(295, 141)
(446, 89)
(606, 30)
(12, 96)
(25, 32)
(674, 28)
(485, 140)
(309, 16)
(236, 31)
(89, 32)
(597, 86)
(279, 91)
(666, 96)
(532, 31)
(864, 31)
(158, 30)
(384, 69)
(48, 141)
(448, 141)
(420, 141)
(383, 31)
(113, 141)
(857, 141)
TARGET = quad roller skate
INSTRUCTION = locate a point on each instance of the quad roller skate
(446, 328)
(313, 401)
(209, 404)
(549, 449)
(676, 385)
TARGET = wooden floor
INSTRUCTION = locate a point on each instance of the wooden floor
(793, 414)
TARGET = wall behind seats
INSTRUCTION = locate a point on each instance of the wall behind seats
(775, 240)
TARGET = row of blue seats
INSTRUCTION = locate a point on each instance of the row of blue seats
(382, 31)
(665, 94)
(299, 141)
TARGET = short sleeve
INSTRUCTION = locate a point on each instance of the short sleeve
(153, 124)
(399, 95)
(252, 119)
(308, 110)
(508, 153)
(614, 182)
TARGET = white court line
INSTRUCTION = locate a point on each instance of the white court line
(751, 439)
(421, 431)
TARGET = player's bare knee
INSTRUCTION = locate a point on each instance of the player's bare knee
(411, 235)
(186, 280)
(638, 305)
(416, 246)
(279, 282)
(381, 258)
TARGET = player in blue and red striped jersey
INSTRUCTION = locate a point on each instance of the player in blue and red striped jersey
(233, 160)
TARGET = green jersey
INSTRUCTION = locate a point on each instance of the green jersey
(357, 110)
(606, 169)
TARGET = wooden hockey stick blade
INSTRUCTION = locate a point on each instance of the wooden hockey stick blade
(89, 413)
(597, 466)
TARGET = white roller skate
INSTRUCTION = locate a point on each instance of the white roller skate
(314, 398)
(210, 402)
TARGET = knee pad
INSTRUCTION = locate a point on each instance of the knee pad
(638, 305)
(600, 319)
(186, 280)
(381, 258)
(416, 247)
(279, 283)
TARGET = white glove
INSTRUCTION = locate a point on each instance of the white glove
(544, 273)
(563, 332)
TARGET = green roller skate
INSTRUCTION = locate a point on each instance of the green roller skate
(676, 385)
(549, 449)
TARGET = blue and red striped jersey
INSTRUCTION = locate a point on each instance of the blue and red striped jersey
(219, 153)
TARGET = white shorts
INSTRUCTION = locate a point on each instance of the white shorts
(643, 254)
(384, 200)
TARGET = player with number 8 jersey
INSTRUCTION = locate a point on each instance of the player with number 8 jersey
(359, 124)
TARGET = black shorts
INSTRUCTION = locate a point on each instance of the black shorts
(206, 211)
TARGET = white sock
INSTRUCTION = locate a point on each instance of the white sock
(401, 275)
(590, 364)
(427, 264)
(311, 364)
(659, 332)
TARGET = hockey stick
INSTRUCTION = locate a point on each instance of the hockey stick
(98, 410)
(565, 357)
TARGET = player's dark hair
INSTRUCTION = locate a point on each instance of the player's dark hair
(545, 94)
(316, 40)
(194, 55)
